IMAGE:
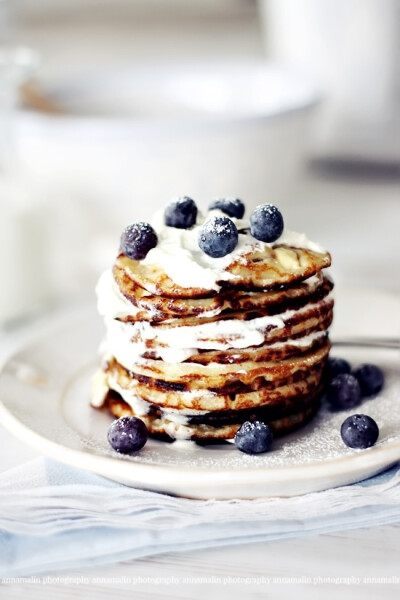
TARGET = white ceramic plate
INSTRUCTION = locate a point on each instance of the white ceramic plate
(45, 392)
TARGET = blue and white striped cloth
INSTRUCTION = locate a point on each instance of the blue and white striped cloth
(55, 517)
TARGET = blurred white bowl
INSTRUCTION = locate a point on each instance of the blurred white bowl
(129, 140)
(161, 130)
(199, 91)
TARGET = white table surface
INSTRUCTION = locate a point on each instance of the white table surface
(366, 250)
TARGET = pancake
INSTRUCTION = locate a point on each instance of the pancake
(195, 345)
(158, 424)
(151, 307)
(213, 376)
(258, 269)
(236, 388)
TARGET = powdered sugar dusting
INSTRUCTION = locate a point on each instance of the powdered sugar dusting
(179, 256)
(217, 225)
(317, 442)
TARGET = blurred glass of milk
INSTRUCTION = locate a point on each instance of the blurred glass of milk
(23, 272)
(352, 49)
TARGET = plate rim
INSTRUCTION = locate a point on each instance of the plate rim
(19, 429)
(374, 459)
(196, 489)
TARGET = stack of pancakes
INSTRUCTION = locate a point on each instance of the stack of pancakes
(195, 363)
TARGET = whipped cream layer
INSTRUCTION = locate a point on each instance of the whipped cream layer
(178, 254)
(128, 342)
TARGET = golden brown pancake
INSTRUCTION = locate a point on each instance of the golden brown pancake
(158, 308)
(292, 380)
(158, 425)
(257, 270)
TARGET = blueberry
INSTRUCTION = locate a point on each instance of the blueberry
(343, 392)
(181, 213)
(233, 207)
(336, 366)
(127, 434)
(254, 438)
(370, 378)
(359, 431)
(218, 236)
(266, 223)
(137, 240)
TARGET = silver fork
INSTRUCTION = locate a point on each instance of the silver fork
(368, 342)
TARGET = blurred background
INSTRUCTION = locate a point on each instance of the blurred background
(109, 108)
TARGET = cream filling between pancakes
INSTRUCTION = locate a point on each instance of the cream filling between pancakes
(128, 342)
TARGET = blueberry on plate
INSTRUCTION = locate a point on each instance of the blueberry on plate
(370, 378)
(233, 207)
(181, 213)
(254, 437)
(127, 434)
(336, 366)
(359, 431)
(218, 237)
(343, 392)
(137, 239)
(266, 223)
